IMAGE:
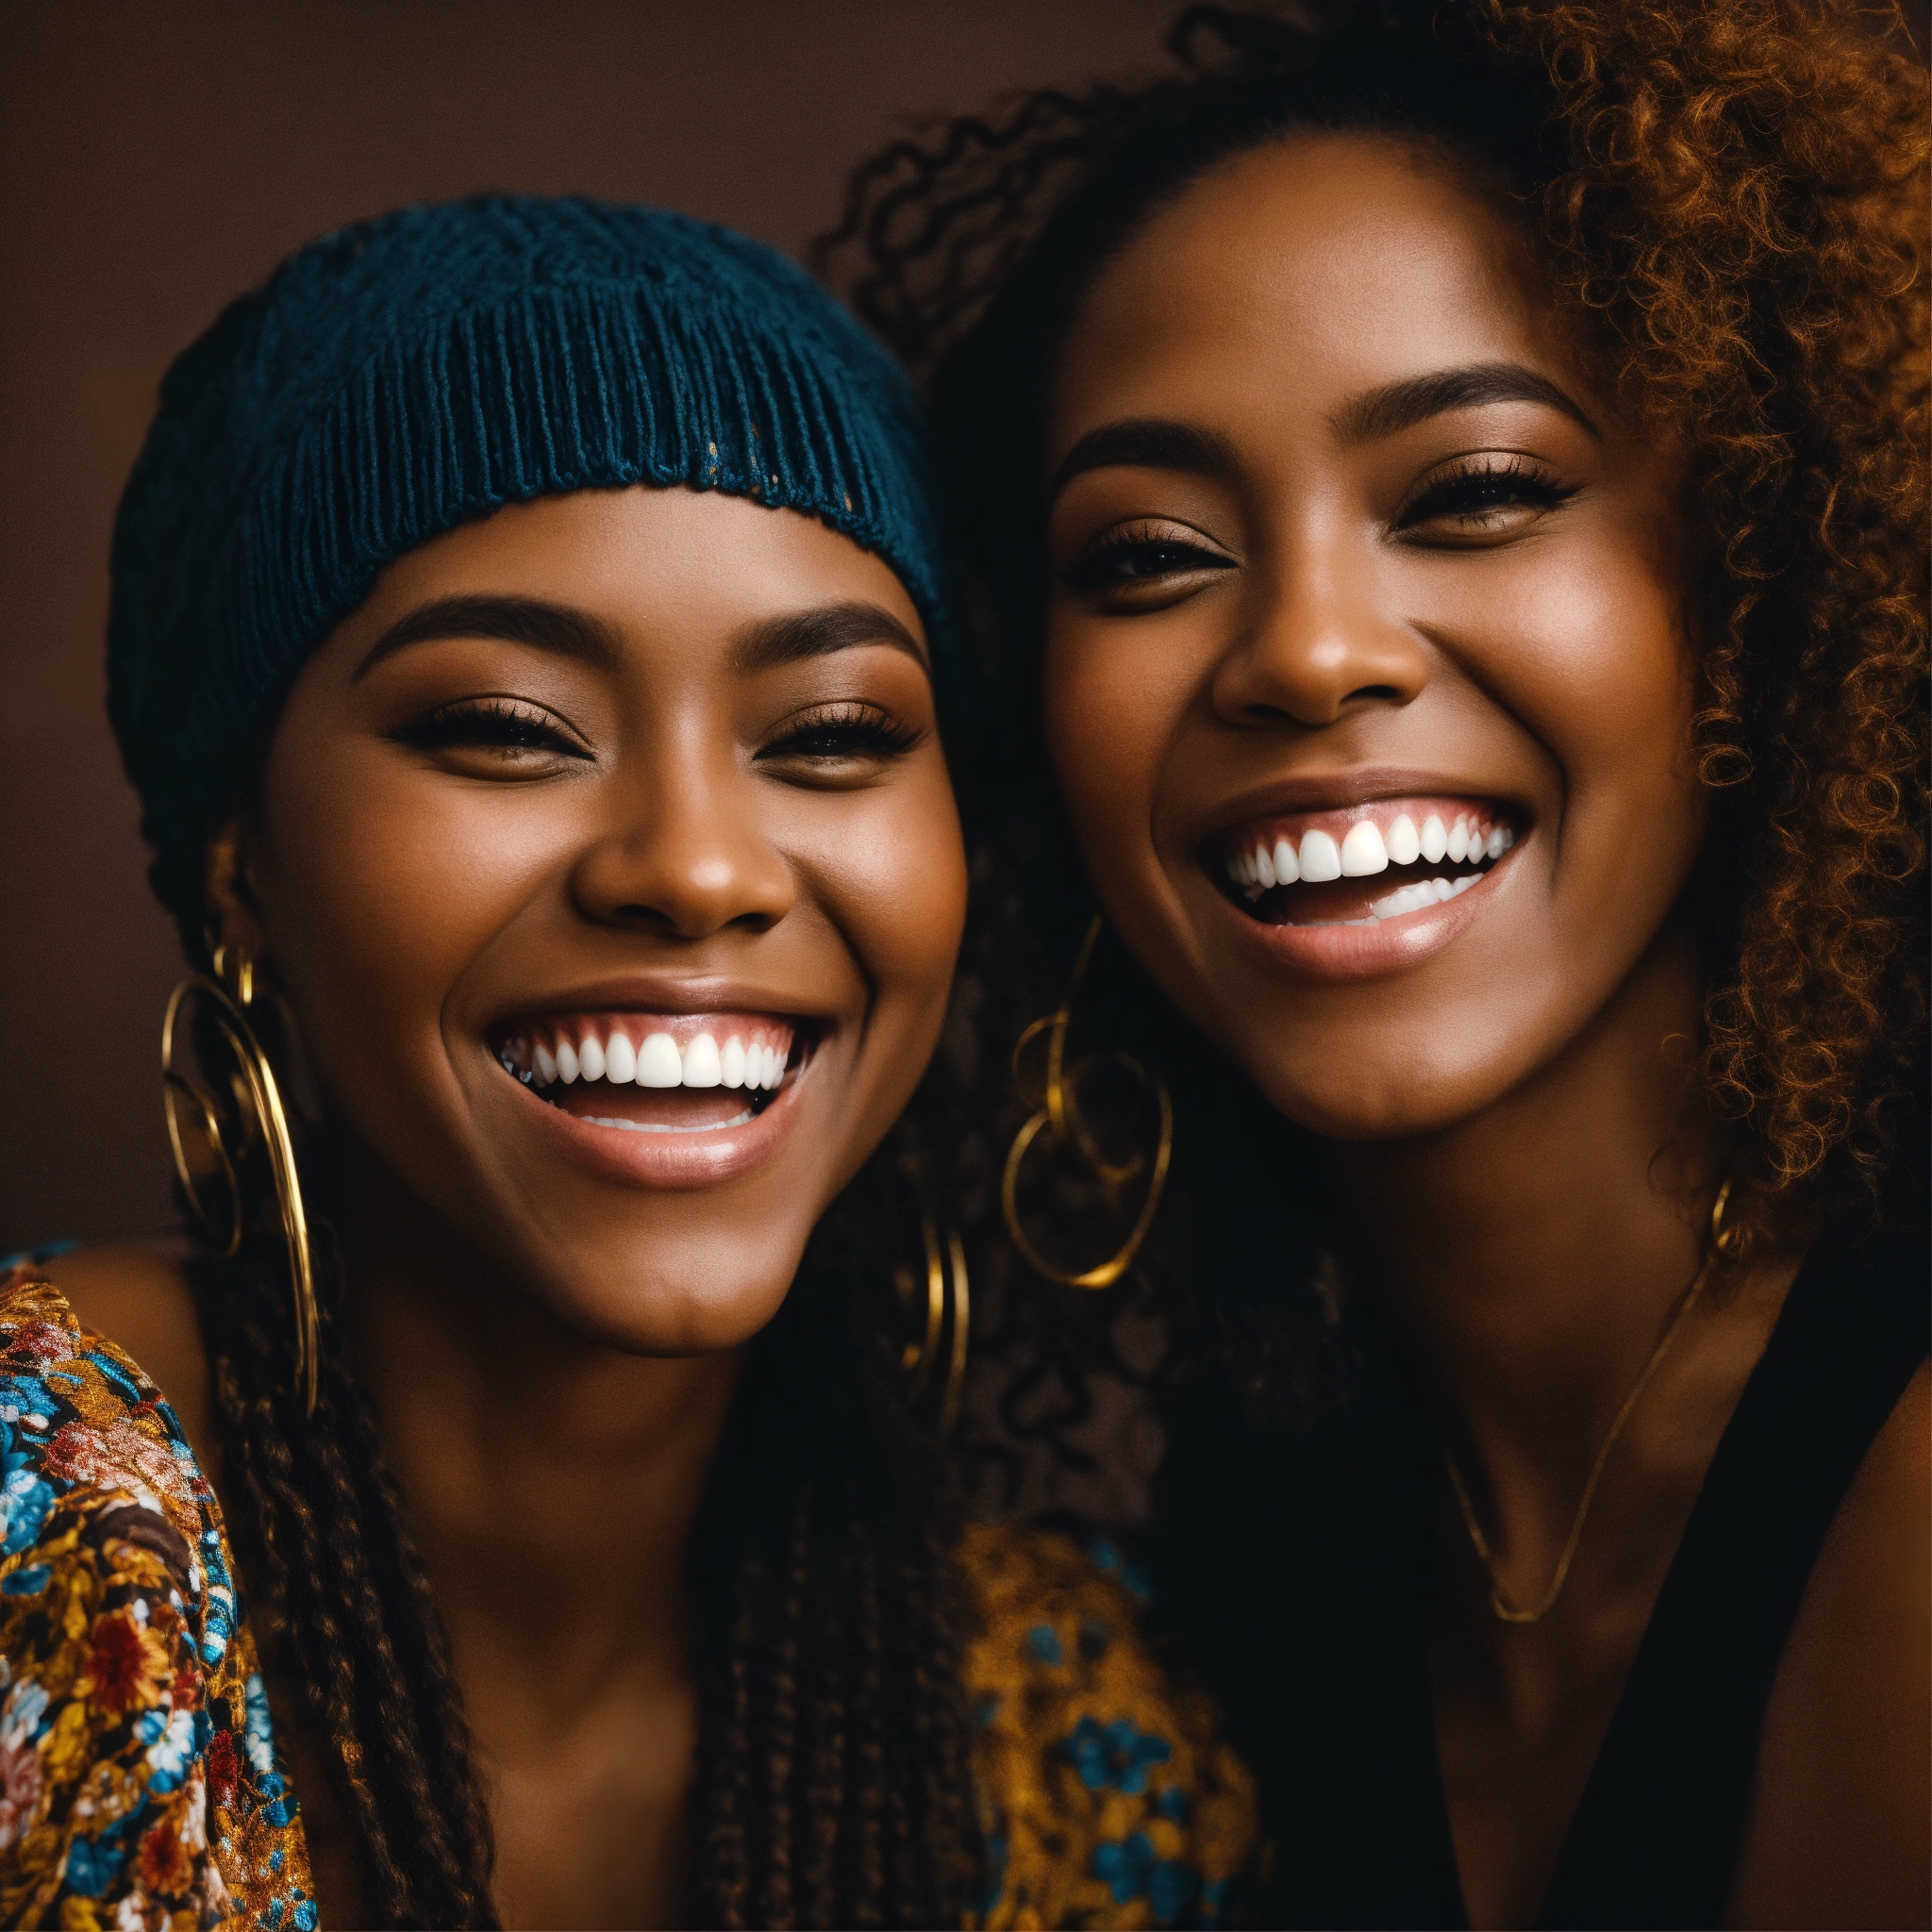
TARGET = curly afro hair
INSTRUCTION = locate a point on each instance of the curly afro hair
(1733, 192)
(1730, 195)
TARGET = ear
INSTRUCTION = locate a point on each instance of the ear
(234, 920)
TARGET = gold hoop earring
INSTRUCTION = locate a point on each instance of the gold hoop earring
(238, 1137)
(1059, 1118)
(947, 1292)
(1728, 1239)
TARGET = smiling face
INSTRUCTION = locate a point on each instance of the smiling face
(607, 857)
(1365, 680)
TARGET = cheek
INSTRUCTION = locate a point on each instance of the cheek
(379, 889)
(1592, 659)
(1109, 707)
(889, 867)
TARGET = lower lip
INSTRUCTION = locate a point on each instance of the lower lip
(1348, 952)
(700, 1158)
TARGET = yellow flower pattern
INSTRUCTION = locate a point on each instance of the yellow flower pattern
(139, 1783)
(139, 1787)
(1108, 1795)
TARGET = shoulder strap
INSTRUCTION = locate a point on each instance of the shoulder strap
(1655, 1838)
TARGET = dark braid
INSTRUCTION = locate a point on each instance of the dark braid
(831, 1768)
(346, 1597)
(824, 1755)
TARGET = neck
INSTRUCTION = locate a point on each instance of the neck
(1534, 1252)
(552, 1482)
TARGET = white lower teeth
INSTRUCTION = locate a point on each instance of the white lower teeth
(664, 1127)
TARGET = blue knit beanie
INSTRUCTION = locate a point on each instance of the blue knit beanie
(421, 370)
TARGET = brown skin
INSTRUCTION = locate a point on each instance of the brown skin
(668, 824)
(1298, 617)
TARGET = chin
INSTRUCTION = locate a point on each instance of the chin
(1388, 1094)
(656, 1302)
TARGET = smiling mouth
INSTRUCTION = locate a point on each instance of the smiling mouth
(655, 1073)
(1362, 865)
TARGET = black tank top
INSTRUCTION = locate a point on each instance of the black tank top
(1361, 1825)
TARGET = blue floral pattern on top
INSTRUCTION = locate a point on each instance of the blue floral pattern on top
(1109, 1795)
(138, 1777)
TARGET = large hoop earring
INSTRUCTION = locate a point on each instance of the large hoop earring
(235, 1137)
(1727, 1237)
(1059, 1118)
(947, 1294)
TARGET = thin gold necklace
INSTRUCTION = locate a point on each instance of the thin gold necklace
(1721, 1242)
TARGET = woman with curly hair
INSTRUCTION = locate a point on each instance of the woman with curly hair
(1447, 485)
(529, 646)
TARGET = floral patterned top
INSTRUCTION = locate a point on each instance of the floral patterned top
(139, 1785)
(1107, 1794)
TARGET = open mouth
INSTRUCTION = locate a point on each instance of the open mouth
(1360, 865)
(655, 1073)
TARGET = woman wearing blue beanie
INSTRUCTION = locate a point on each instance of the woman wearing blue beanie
(526, 632)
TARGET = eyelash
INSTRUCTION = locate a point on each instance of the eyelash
(495, 723)
(1105, 567)
(1478, 485)
(842, 731)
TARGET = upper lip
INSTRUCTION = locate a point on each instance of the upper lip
(663, 993)
(1336, 790)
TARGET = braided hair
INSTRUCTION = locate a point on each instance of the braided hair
(831, 1779)
(389, 383)
(1728, 193)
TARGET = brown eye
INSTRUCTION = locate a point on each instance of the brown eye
(1483, 497)
(505, 731)
(1137, 555)
(841, 733)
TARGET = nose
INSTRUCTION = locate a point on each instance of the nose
(686, 859)
(1319, 641)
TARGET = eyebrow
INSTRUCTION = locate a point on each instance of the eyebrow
(568, 633)
(553, 627)
(818, 633)
(1400, 405)
(1147, 443)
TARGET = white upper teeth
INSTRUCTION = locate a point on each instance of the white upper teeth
(701, 1065)
(1321, 858)
(659, 1064)
(1363, 850)
(662, 1063)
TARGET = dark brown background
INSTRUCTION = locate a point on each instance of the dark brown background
(157, 158)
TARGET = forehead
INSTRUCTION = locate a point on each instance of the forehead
(678, 564)
(1310, 269)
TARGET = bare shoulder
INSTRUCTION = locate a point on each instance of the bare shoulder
(1839, 1830)
(137, 1296)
